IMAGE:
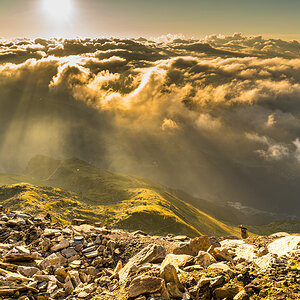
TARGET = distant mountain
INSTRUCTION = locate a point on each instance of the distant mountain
(116, 200)
(73, 188)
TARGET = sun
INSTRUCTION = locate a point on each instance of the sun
(58, 10)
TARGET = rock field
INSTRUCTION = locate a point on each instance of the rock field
(43, 260)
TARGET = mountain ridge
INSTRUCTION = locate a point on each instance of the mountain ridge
(116, 200)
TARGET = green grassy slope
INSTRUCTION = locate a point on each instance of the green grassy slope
(116, 200)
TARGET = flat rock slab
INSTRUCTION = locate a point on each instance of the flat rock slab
(178, 260)
(21, 257)
(144, 285)
(285, 245)
(60, 246)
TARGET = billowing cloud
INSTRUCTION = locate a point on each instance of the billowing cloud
(217, 117)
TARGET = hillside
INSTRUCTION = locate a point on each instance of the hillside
(116, 200)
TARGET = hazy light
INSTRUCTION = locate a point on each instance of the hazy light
(58, 10)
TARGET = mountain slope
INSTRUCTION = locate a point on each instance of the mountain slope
(119, 201)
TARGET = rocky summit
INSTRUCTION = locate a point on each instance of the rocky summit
(43, 260)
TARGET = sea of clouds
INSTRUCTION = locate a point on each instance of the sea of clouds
(217, 117)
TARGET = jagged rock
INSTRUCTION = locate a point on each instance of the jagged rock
(27, 271)
(68, 286)
(16, 277)
(144, 285)
(169, 274)
(151, 253)
(75, 278)
(61, 274)
(51, 260)
(174, 291)
(193, 247)
(204, 259)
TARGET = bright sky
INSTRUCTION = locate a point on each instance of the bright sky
(149, 18)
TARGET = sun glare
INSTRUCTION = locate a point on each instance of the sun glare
(58, 10)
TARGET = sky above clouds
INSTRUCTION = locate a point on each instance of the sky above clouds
(134, 18)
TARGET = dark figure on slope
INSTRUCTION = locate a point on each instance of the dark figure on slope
(244, 233)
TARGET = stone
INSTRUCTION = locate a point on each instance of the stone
(45, 244)
(262, 251)
(150, 254)
(193, 247)
(178, 261)
(68, 286)
(27, 271)
(75, 278)
(75, 264)
(51, 260)
(285, 245)
(174, 291)
(43, 277)
(21, 257)
(60, 246)
(241, 250)
(92, 254)
(204, 259)
(203, 282)
(144, 285)
(69, 252)
(242, 295)
(140, 232)
(181, 238)
(79, 222)
(169, 274)
(280, 234)
(16, 277)
(217, 281)
(226, 291)
(61, 274)
(222, 267)
(48, 232)
(220, 253)
(83, 295)
(193, 268)
(89, 249)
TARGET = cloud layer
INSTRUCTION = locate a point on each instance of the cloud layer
(217, 117)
